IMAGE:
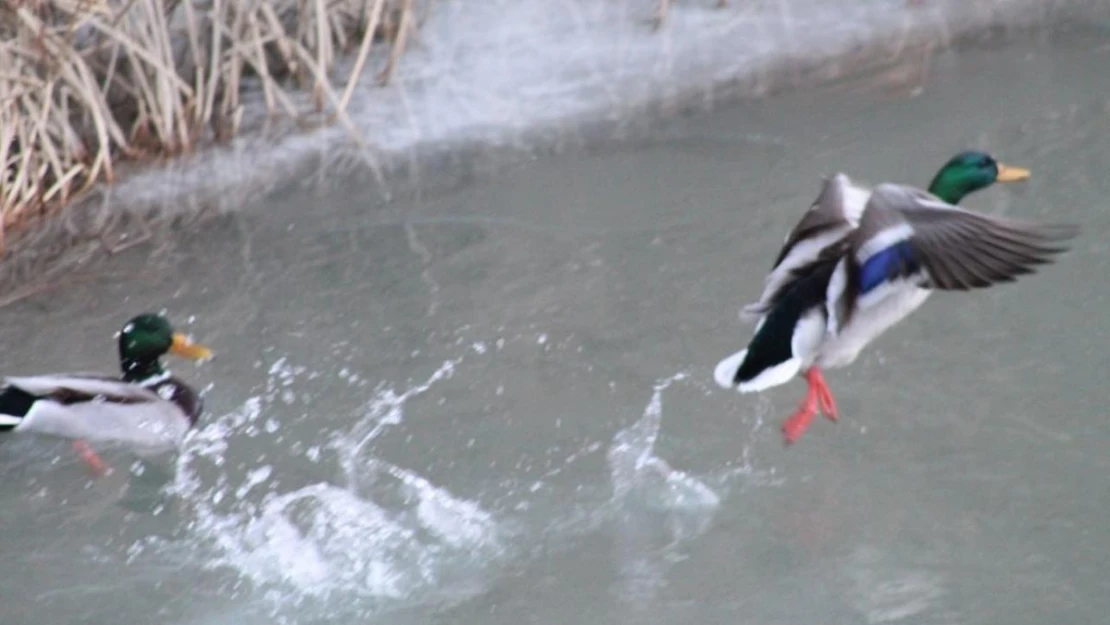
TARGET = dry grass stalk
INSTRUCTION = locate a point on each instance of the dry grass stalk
(85, 83)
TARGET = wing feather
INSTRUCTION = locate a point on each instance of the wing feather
(830, 218)
(961, 250)
(831, 210)
(69, 389)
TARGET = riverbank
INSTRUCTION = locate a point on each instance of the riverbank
(486, 85)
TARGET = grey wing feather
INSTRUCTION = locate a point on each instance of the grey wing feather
(825, 214)
(960, 249)
(831, 217)
(92, 385)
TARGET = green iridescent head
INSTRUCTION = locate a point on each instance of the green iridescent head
(145, 339)
(968, 172)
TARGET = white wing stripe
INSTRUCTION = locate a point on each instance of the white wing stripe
(882, 240)
(837, 284)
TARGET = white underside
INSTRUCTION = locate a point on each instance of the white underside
(876, 312)
(151, 424)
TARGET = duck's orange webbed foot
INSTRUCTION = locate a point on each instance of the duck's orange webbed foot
(92, 459)
(817, 394)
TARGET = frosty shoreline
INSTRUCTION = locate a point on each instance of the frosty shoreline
(491, 80)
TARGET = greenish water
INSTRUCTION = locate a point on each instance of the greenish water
(495, 405)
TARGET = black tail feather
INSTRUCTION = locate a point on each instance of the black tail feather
(14, 402)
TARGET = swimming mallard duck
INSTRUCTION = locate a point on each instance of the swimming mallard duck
(146, 407)
(861, 260)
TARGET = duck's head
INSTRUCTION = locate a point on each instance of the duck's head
(145, 339)
(968, 172)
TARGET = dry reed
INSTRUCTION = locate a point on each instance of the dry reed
(85, 84)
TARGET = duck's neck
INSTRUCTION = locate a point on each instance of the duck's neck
(135, 370)
(951, 198)
(949, 188)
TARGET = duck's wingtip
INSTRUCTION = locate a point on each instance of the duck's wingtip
(1061, 231)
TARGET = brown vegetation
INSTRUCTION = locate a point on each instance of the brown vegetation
(85, 84)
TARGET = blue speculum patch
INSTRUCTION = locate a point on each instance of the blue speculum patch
(884, 265)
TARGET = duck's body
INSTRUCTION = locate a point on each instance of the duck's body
(151, 413)
(812, 272)
(859, 262)
(146, 408)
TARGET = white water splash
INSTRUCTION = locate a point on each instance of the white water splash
(383, 535)
(662, 506)
(639, 474)
(384, 410)
(373, 536)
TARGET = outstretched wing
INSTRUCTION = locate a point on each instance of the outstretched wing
(904, 231)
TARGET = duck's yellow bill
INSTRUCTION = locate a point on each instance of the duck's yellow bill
(185, 347)
(1011, 174)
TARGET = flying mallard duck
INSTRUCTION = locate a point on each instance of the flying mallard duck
(146, 407)
(861, 260)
